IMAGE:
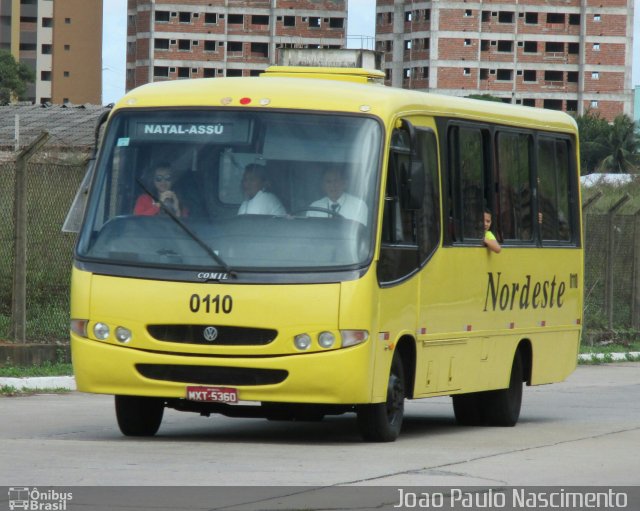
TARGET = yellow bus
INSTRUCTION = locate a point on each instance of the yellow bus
(310, 242)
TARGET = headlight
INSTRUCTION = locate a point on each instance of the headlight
(353, 337)
(302, 341)
(326, 339)
(123, 334)
(101, 331)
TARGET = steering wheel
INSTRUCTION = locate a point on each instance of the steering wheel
(328, 211)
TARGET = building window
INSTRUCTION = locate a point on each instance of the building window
(596, 46)
(260, 49)
(529, 75)
(530, 47)
(468, 13)
(505, 17)
(47, 22)
(66, 74)
(259, 20)
(505, 75)
(209, 46)
(336, 22)
(466, 71)
(595, 75)
(234, 72)
(408, 16)
(574, 19)
(161, 44)
(531, 18)
(314, 22)
(407, 45)
(67, 47)
(555, 18)
(236, 19)
(505, 46)
(467, 42)
(46, 49)
(572, 76)
(234, 46)
(162, 16)
(553, 76)
(184, 72)
(45, 76)
(184, 44)
(289, 21)
(210, 18)
(594, 103)
(160, 72)
(209, 72)
(185, 17)
(596, 18)
(484, 74)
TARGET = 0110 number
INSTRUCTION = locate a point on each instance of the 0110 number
(208, 303)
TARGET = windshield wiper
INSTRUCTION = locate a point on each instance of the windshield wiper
(188, 230)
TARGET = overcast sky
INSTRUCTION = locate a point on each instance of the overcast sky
(361, 22)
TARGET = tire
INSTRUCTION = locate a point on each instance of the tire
(382, 422)
(495, 407)
(139, 416)
(502, 407)
(468, 409)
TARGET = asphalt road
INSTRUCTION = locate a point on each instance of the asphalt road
(584, 431)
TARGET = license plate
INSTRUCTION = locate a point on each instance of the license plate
(213, 394)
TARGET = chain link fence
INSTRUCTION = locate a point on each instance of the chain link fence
(50, 189)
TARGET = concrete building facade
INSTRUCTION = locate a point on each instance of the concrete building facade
(62, 42)
(571, 55)
(169, 40)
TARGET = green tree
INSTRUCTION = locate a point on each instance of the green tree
(14, 77)
(594, 131)
(622, 145)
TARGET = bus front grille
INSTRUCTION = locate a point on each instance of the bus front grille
(212, 335)
(212, 375)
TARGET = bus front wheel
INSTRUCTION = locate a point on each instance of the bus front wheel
(139, 416)
(381, 422)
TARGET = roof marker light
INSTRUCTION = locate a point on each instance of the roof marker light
(245, 101)
(365, 108)
(265, 101)
(226, 101)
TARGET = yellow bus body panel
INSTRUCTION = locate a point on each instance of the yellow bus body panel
(461, 312)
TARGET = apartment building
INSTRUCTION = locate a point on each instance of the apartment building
(62, 42)
(169, 40)
(570, 55)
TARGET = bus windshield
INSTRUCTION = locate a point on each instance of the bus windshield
(240, 190)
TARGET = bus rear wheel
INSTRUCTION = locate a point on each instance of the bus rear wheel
(381, 422)
(495, 407)
(139, 416)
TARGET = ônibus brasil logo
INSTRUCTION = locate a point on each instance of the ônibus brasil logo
(21, 497)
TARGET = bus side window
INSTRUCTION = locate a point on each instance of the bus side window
(409, 236)
(516, 207)
(554, 172)
(470, 181)
(429, 216)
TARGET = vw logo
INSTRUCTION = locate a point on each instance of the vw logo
(210, 333)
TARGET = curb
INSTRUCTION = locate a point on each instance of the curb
(69, 382)
(614, 357)
(37, 383)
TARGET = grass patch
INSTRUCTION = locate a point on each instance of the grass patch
(46, 369)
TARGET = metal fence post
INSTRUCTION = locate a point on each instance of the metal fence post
(608, 298)
(19, 296)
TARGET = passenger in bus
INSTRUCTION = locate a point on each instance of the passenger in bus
(258, 201)
(489, 239)
(162, 181)
(338, 200)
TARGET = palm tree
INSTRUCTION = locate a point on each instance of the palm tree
(622, 146)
